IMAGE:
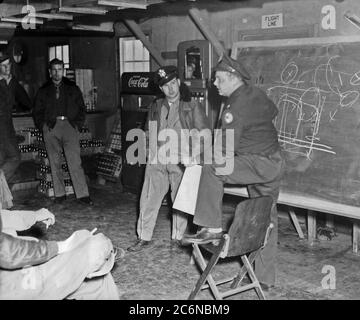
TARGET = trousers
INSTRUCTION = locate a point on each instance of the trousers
(64, 137)
(63, 277)
(158, 178)
(262, 176)
(9, 151)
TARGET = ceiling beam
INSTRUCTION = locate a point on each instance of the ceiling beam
(8, 25)
(22, 20)
(206, 31)
(52, 16)
(136, 30)
(13, 9)
(92, 28)
(83, 10)
(67, 3)
(8, 10)
(123, 4)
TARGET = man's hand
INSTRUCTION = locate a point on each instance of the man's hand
(100, 249)
(45, 216)
(73, 241)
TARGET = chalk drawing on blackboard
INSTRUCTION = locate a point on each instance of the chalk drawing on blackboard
(301, 99)
(315, 84)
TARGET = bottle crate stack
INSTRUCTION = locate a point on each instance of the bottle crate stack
(27, 147)
(109, 163)
(88, 146)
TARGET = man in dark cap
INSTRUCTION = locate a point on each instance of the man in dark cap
(59, 112)
(256, 156)
(9, 150)
(20, 100)
(175, 111)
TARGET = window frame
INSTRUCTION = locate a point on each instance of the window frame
(60, 44)
(121, 57)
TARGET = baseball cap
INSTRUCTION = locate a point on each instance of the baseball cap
(3, 57)
(165, 74)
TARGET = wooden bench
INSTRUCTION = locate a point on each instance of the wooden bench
(312, 205)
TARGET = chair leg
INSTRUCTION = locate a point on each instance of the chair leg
(253, 277)
(243, 271)
(206, 272)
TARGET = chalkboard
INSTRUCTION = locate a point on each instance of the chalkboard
(315, 84)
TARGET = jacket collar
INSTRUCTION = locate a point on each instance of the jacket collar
(236, 93)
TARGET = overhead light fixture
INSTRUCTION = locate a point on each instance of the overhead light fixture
(22, 20)
(56, 16)
(83, 10)
(85, 27)
(3, 42)
(122, 4)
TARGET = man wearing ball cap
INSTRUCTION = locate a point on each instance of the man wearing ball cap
(258, 162)
(175, 111)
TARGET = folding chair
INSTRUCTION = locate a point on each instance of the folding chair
(246, 237)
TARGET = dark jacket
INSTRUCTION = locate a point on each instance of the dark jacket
(250, 113)
(45, 113)
(17, 253)
(6, 124)
(191, 114)
(20, 100)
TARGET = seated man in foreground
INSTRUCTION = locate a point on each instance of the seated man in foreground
(77, 268)
(256, 157)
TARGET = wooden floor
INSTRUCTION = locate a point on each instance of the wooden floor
(163, 272)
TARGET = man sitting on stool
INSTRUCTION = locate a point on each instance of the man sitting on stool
(256, 155)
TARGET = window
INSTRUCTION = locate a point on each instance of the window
(60, 52)
(134, 57)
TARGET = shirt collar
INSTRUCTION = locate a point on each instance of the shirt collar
(174, 103)
(57, 85)
(7, 80)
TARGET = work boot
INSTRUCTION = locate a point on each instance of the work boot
(86, 200)
(139, 245)
(59, 200)
(201, 237)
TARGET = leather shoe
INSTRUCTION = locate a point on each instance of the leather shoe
(139, 245)
(59, 200)
(201, 237)
(86, 200)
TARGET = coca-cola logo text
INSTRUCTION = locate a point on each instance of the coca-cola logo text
(138, 82)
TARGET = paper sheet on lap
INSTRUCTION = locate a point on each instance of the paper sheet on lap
(188, 190)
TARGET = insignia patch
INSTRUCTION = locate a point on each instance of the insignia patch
(162, 73)
(228, 117)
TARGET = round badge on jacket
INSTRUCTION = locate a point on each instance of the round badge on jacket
(228, 117)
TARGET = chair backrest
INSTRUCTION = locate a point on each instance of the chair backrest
(248, 229)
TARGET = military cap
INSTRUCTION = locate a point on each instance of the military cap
(165, 74)
(3, 57)
(230, 65)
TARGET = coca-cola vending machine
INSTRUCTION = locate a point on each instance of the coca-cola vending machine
(138, 91)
